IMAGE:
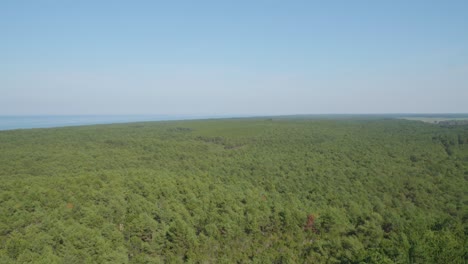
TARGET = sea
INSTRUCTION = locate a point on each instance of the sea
(47, 121)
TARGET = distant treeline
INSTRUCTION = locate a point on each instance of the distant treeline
(452, 122)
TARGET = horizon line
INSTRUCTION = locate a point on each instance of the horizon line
(237, 115)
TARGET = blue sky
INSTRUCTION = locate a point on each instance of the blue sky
(233, 57)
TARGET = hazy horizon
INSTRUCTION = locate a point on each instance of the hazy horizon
(213, 58)
(236, 115)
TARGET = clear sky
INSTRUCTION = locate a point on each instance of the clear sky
(233, 57)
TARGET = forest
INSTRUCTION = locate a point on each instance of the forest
(250, 190)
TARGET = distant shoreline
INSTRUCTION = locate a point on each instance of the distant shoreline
(51, 121)
(14, 122)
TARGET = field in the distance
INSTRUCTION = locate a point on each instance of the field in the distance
(438, 118)
(235, 191)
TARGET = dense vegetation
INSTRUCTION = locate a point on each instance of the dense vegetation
(239, 190)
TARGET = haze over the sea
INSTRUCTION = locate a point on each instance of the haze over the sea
(242, 57)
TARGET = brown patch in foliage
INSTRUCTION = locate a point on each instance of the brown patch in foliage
(310, 225)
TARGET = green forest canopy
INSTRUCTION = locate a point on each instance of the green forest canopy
(236, 190)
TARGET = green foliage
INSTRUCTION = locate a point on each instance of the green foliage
(239, 190)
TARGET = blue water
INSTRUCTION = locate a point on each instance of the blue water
(24, 122)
